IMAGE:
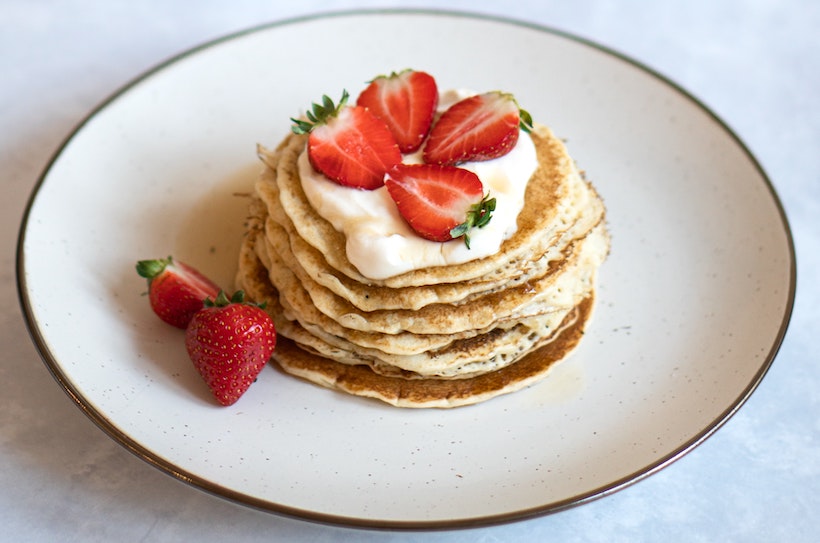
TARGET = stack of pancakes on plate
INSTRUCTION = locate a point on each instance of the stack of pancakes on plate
(435, 337)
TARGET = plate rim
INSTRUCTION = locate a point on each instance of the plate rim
(178, 472)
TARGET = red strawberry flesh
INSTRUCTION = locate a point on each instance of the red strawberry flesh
(175, 290)
(433, 199)
(406, 102)
(480, 127)
(355, 149)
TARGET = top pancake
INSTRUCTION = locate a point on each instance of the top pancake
(556, 199)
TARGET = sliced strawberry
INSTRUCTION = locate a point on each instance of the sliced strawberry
(229, 342)
(406, 102)
(439, 203)
(481, 127)
(175, 290)
(348, 144)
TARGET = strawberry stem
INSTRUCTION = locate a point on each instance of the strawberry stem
(478, 216)
(319, 114)
(525, 120)
(152, 268)
(222, 300)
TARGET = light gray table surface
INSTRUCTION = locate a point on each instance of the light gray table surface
(755, 63)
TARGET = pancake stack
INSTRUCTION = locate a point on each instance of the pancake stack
(441, 336)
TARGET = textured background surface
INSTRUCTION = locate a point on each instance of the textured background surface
(755, 63)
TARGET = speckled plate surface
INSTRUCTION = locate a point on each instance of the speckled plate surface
(693, 301)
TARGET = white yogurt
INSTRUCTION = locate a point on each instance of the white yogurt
(381, 244)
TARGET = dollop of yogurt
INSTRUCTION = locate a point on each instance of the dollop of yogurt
(380, 244)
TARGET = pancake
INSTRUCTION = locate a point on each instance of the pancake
(556, 195)
(441, 336)
(561, 288)
(406, 389)
(440, 355)
(412, 391)
(419, 393)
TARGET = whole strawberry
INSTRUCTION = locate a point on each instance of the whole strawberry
(229, 342)
(175, 290)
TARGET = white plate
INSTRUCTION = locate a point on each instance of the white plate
(693, 302)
